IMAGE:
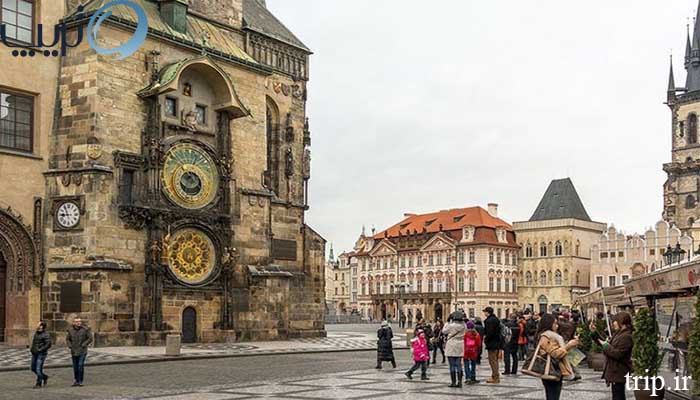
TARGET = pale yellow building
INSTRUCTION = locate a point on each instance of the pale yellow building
(555, 249)
(338, 277)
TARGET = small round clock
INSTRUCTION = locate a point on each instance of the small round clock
(68, 215)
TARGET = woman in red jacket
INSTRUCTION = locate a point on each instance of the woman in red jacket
(522, 340)
(472, 344)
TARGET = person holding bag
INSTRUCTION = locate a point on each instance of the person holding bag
(549, 359)
(618, 354)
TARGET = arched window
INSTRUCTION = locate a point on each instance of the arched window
(272, 174)
(543, 250)
(528, 250)
(558, 249)
(472, 284)
(692, 129)
(543, 278)
(557, 278)
(690, 201)
(578, 277)
(528, 278)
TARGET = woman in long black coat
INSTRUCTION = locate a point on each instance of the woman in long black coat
(385, 350)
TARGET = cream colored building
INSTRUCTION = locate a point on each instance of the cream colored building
(617, 257)
(555, 249)
(338, 278)
(410, 267)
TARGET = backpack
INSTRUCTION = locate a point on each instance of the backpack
(470, 342)
(506, 333)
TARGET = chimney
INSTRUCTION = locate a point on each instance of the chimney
(493, 210)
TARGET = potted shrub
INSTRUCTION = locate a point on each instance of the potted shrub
(645, 353)
(594, 353)
(694, 350)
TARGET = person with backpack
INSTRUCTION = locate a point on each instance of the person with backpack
(510, 348)
(493, 342)
(472, 348)
(454, 346)
(421, 355)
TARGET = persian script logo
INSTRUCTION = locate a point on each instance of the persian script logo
(94, 24)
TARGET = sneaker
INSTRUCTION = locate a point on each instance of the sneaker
(75, 384)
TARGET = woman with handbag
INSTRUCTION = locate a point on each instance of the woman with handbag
(551, 351)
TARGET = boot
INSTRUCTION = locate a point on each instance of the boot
(408, 375)
(453, 377)
(443, 358)
(46, 380)
(393, 364)
(424, 378)
(493, 380)
(379, 365)
(459, 380)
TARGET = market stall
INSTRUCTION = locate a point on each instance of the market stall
(671, 293)
(607, 300)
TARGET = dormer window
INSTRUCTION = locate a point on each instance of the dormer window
(428, 223)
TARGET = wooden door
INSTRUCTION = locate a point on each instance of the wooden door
(189, 325)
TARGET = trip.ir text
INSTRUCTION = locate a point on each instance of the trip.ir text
(655, 384)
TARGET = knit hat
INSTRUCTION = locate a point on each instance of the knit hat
(384, 324)
(470, 325)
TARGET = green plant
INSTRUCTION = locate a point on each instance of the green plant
(584, 335)
(694, 349)
(646, 354)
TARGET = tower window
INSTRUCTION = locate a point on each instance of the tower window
(201, 112)
(690, 202)
(692, 129)
(170, 106)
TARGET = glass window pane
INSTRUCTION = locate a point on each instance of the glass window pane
(24, 35)
(23, 130)
(22, 103)
(7, 140)
(10, 4)
(22, 143)
(9, 18)
(25, 7)
(24, 21)
(11, 31)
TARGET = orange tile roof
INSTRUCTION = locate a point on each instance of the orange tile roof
(450, 220)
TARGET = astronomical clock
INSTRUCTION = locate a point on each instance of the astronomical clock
(180, 183)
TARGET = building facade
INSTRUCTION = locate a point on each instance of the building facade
(429, 264)
(556, 247)
(682, 188)
(618, 257)
(165, 192)
(338, 278)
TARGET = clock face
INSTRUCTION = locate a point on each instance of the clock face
(190, 176)
(191, 256)
(68, 215)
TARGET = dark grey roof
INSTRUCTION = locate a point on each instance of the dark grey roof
(257, 17)
(560, 201)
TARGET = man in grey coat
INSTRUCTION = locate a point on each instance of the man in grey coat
(78, 340)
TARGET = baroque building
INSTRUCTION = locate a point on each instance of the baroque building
(338, 284)
(682, 188)
(618, 257)
(165, 192)
(430, 264)
(555, 248)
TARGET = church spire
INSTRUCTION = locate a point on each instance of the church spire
(692, 82)
(688, 48)
(671, 93)
(331, 257)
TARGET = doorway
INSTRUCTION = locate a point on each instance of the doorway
(189, 325)
(543, 303)
(3, 284)
(438, 311)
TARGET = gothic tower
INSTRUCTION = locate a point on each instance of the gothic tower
(682, 188)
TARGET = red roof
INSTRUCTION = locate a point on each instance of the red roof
(450, 220)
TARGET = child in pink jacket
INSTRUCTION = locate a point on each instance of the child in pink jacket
(421, 355)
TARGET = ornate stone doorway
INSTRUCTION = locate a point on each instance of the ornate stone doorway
(3, 282)
(189, 325)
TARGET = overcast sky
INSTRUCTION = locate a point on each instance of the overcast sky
(418, 106)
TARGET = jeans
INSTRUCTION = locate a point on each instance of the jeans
(511, 361)
(455, 364)
(522, 351)
(469, 370)
(38, 367)
(442, 350)
(552, 389)
(79, 367)
(423, 365)
(618, 391)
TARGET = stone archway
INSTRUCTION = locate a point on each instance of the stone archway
(20, 259)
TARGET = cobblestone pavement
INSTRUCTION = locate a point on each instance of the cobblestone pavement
(342, 338)
(392, 385)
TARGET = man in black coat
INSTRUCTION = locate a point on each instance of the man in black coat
(493, 343)
(510, 350)
(41, 343)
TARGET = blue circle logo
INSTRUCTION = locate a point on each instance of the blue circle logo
(127, 48)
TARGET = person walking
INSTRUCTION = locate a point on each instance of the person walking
(479, 326)
(510, 349)
(522, 339)
(78, 340)
(402, 320)
(421, 355)
(41, 343)
(493, 343)
(385, 349)
(454, 346)
(531, 321)
(552, 343)
(438, 340)
(472, 345)
(618, 354)
(410, 319)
